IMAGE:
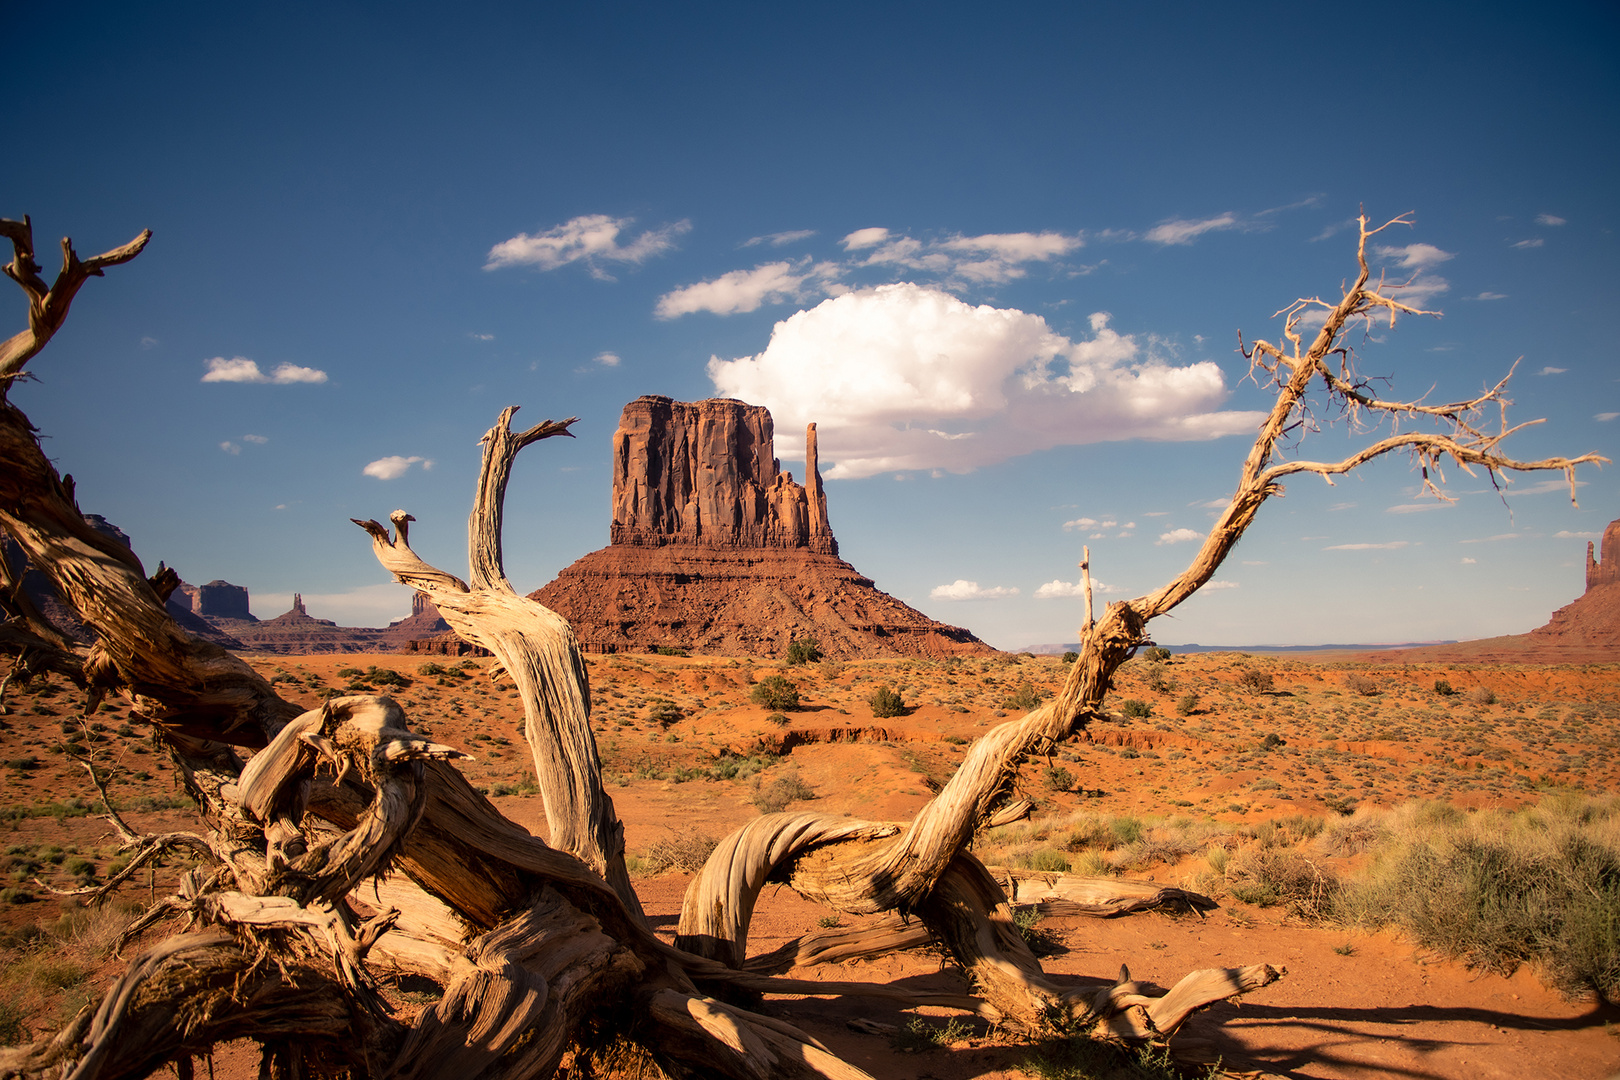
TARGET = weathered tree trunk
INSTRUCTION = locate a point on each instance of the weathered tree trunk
(536, 943)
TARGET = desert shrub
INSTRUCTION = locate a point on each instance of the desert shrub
(1156, 680)
(13, 1030)
(803, 651)
(1352, 834)
(1079, 1056)
(1187, 704)
(787, 788)
(1058, 778)
(779, 719)
(1272, 741)
(1255, 681)
(671, 650)
(660, 711)
(1070, 657)
(686, 850)
(1157, 654)
(1538, 886)
(775, 692)
(430, 668)
(1365, 685)
(381, 676)
(1138, 709)
(1443, 688)
(1482, 695)
(1267, 877)
(919, 1035)
(886, 702)
(1025, 698)
(1048, 860)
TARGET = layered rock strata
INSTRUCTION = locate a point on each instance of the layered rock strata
(715, 550)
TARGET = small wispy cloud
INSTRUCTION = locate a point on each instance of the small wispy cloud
(1392, 545)
(476, 336)
(1418, 508)
(606, 359)
(257, 440)
(1550, 370)
(1219, 585)
(1533, 242)
(1063, 590)
(736, 291)
(1341, 506)
(1488, 296)
(780, 239)
(1466, 561)
(1185, 231)
(590, 238)
(1565, 534)
(230, 447)
(970, 590)
(1178, 536)
(149, 342)
(1605, 417)
(394, 466)
(239, 369)
(1416, 256)
(1491, 539)
(1550, 219)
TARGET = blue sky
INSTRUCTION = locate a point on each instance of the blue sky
(1001, 258)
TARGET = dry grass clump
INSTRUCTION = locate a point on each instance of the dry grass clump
(1498, 888)
(1268, 877)
(684, 849)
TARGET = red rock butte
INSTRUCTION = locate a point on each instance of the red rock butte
(714, 549)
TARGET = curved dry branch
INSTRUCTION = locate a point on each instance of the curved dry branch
(48, 306)
(538, 651)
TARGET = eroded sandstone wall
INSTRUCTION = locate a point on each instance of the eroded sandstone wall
(705, 473)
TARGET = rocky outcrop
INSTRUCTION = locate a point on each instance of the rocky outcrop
(424, 621)
(1606, 571)
(296, 632)
(716, 550)
(705, 473)
(215, 600)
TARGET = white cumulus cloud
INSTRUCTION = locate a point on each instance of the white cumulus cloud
(970, 590)
(606, 359)
(905, 377)
(591, 238)
(737, 291)
(239, 369)
(1185, 232)
(1179, 536)
(394, 466)
(1219, 585)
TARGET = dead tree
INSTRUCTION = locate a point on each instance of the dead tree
(346, 846)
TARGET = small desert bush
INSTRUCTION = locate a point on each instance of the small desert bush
(775, 692)
(1025, 698)
(1482, 695)
(803, 651)
(1058, 778)
(774, 797)
(1267, 877)
(685, 850)
(1255, 681)
(1365, 685)
(1070, 657)
(1443, 688)
(1187, 704)
(1079, 1056)
(672, 650)
(663, 712)
(1140, 710)
(886, 702)
(1156, 654)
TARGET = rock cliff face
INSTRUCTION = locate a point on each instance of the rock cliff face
(1606, 572)
(716, 550)
(705, 473)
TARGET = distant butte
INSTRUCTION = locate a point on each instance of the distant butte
(715, 550)
(1585, 631)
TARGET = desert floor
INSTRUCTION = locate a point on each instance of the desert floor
(1328, 734)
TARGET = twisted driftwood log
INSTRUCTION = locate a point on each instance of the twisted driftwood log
(349, 846)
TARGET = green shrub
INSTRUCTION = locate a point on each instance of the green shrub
(803, 651)
(1443, 688)
(1138, 709)
(1025, 698)
(1157, 654)
(775, 692)
(778, 719)
(1187, 704)
(1255, 681)
(671, 650)
(1058, 778)
(787, 788)
(886, 702)
(1070, 657)
(661, 711)
(1049, 861)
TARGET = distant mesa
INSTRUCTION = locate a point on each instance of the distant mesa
(714, 549)
(1586, 630)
